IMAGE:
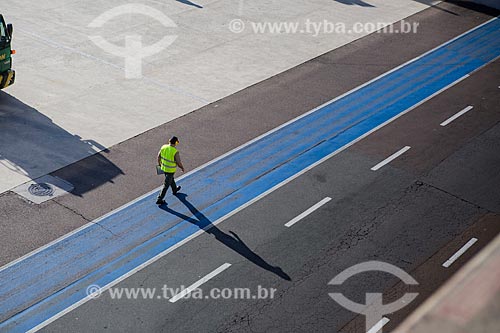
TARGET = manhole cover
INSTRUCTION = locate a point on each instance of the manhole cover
(41, 190)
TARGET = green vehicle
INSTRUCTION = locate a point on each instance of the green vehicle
(7, 74)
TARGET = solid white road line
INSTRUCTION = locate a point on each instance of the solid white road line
(378, 326)
(457, 255)
(391, 158)
(452, 118)
(199, 283)
(169, 250)
(196, 234)
(307, 212)
(248, 143)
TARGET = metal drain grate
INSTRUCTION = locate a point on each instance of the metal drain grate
(43, 189)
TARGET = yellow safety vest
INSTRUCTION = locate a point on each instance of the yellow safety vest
(167, 155)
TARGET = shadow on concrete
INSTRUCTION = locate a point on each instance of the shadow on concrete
(187, 2)
(481, 8)
(471, 6)
(32, 145)
(232, 241)
(465, 4)
(355, 3)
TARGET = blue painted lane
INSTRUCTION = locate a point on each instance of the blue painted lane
(54, 279)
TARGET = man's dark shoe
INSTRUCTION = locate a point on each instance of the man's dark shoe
(160, 202)
(177, 191)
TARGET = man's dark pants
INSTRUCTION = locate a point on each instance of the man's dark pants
(169, 182)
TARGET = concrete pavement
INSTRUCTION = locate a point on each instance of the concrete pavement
(78, 93)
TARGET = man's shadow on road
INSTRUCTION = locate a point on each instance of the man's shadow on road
(233, 242)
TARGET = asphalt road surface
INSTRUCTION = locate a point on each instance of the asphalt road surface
(410, 194)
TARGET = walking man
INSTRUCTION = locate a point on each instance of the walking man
(168, 160)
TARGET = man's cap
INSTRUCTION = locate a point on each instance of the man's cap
(174, 140)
